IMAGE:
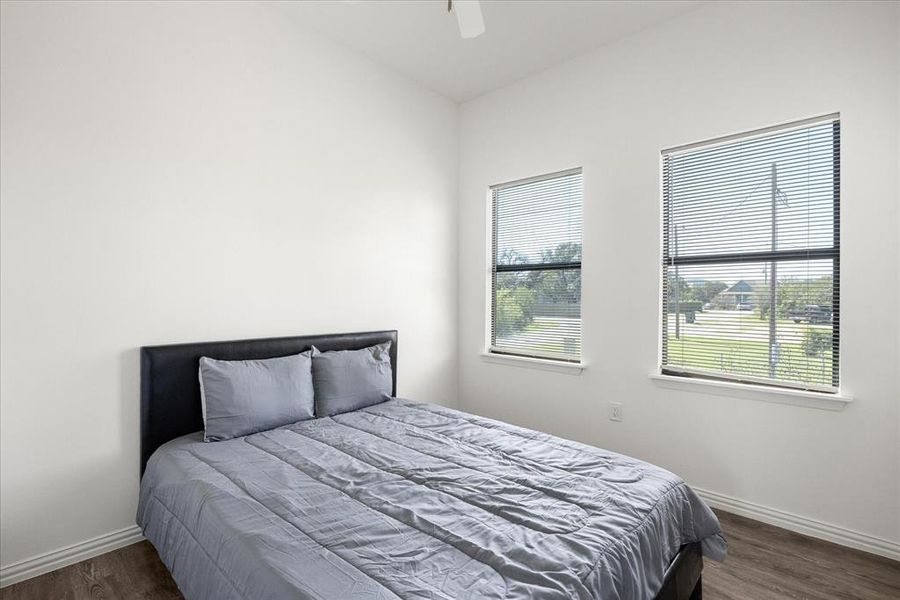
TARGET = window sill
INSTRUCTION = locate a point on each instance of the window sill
(544, 364)
(819, 400)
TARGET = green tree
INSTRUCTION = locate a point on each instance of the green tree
(518, 292)
(796, 295)
(816, 342)
(511, 257)
(562, 286)
(514, 309)
(706, 291)
(701, 292)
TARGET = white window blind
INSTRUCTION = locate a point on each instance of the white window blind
(536, 267)
(752, 223)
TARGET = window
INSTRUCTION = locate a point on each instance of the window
(536, 267)
(751, 257)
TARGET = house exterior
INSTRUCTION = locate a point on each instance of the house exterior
(742, 292)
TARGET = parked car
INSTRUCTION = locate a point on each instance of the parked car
(745, 306)
(811, 313)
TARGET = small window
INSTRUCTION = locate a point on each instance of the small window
(536, 267)
(751, 257)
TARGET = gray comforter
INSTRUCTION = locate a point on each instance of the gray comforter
(408, 500)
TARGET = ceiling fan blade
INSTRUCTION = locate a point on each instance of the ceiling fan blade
(468, 15)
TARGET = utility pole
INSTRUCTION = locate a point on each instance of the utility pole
(773, 276)
(677, 289)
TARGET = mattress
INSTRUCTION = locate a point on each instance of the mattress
(412, 500)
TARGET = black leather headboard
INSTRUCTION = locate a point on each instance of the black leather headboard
(170, 389)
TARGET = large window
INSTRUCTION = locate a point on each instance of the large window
(751, 257)
(536, 267)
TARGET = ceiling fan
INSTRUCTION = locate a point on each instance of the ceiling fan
(468, 15)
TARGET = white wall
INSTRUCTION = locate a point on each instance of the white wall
(897, 236)
(725, 68)
(190, 172)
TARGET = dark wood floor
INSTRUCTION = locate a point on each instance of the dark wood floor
(764, 563)
(774, 564)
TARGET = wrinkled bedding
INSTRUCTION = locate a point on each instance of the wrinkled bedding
(410, 500)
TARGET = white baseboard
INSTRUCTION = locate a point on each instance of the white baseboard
(57, 559)
(804, 525)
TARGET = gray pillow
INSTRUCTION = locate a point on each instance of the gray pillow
(346, 380)
(240, 397)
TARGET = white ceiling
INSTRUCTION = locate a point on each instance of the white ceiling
(420, 39)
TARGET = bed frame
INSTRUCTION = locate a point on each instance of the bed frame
(170, 408)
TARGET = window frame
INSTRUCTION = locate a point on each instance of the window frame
(522, 358)
(832, 253)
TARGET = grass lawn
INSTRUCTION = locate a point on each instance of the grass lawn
(537, 336)
(703, 344)
(749, 357)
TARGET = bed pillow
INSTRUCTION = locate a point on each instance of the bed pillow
(347, 380)
(239, 397)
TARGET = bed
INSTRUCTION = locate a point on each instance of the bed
(401, 500)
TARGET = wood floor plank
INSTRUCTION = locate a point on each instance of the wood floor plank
(131, 573)
(768, 562)
(764, 563)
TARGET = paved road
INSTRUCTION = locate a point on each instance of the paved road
(741, 325)
(721, 324)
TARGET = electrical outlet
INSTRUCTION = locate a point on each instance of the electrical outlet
(615, 411)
